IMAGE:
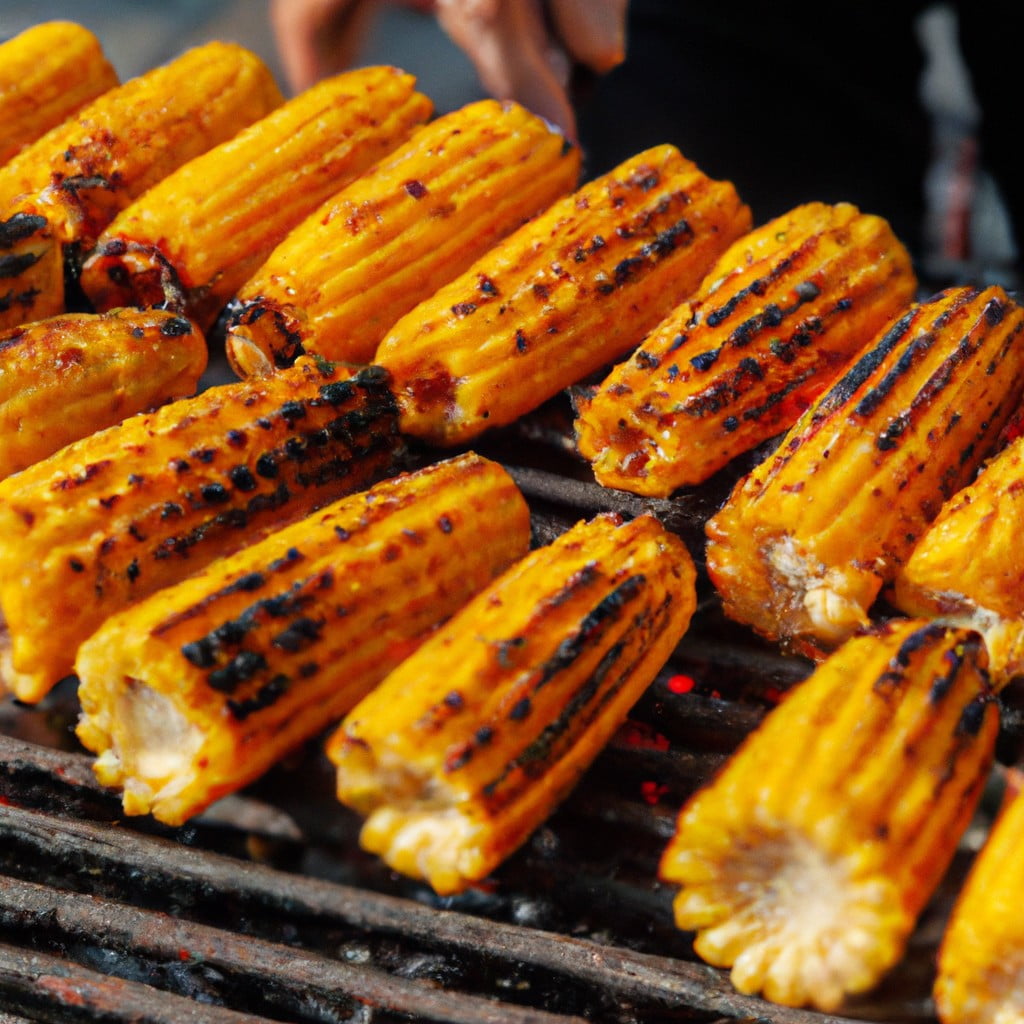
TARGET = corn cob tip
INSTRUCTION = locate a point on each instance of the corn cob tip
(263, 335)
(804, 864)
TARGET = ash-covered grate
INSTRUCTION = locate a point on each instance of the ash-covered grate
(265, 909)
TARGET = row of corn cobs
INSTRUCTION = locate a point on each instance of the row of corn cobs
(229, 573)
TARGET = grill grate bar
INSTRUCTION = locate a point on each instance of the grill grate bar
(286, 979)
(53, 990)
(632, 977)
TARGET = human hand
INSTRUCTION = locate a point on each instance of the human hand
(521, 49)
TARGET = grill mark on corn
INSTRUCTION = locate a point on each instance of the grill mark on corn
(590, 631)
(584, 705)
(232, 499)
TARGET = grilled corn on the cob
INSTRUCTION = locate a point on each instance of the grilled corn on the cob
(560, 298)
(465, 748)
(804, 865)
(777, 317)
(60, 192)
(361, 261)
(197, 235)
(968, 566)
(47, 72)
(68, 376)
(980, 977)
(204, 686)
(111, 518)
(807, 540)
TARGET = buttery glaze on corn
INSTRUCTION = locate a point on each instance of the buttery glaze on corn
(60, 192)
(560, 298)
(804, 865)
(968, 567)
(368, 255)
(199, 689)
(805, 543)
(777, 317)
(194, 238)
(980, 977)
(116, 516)
(68, 376)
(47, 73)
(471, 742)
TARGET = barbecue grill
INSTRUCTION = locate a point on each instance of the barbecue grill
(265, 909)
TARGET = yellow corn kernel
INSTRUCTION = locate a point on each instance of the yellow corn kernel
(968, 567)
(471, 742)
(980, 977)
(66, 377)
(47, 72)
(778, 316)
(369, 254)
(110, 519)
(804, 865)
(202, 687)
(805, 543)
(194, 238)
(65, 188)
(560, 298)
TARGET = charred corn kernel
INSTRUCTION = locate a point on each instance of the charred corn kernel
(469, 744)
(194, 238)
(980, 978)
(110, 519)
(804, 865)
(805, 543)
(559, 298)
(68, 185)
(69, 376)
(202, 687)
(968, 567)
(361, 261)
(47, 72)
(776, 318)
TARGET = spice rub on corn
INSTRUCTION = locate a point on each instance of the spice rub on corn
(980, 977)
(47, 73)
(202, 687)
(804, 865)
(389, 240)
(59, 193)
(195, 237)
(68, 376)
(806, 542)
(777, 317)
(560, 298)
(471, 742)
(968, 567)
(110, 519)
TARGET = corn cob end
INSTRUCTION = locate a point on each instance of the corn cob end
(263, 335)
(804, 865)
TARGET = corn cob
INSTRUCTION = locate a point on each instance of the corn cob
(69, 376)
(560, 298)
(980, 977)
(804, 865)
(777, 317)
(111, 518)
(199, 689)
(47, 72)
(465, 748)
(805, 543)
(194, 238)
(968, 567)
(65, 188)
(361, 261)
